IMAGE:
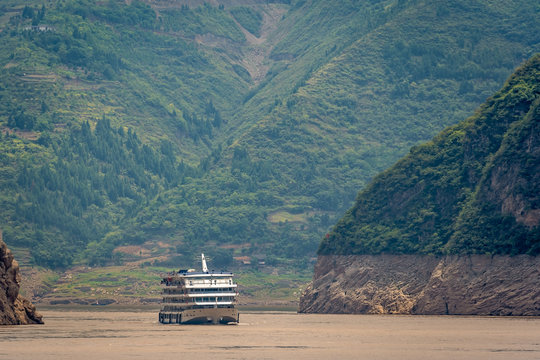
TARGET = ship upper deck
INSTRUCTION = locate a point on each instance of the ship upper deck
(189, 278)
(200, 279)
(204, 274)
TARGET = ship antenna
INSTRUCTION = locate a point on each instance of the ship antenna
(204, 267)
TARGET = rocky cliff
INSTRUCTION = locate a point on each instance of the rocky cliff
(424, 284)
(443, 211)
(14, 309)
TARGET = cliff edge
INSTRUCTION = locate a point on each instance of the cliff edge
(424, 284)
(14, 309)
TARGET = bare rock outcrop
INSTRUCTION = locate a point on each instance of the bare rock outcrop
(423, 284)
(14, 309)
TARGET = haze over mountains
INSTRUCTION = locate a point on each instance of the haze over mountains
(245, 125)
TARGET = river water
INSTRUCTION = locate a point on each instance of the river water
(92, 334)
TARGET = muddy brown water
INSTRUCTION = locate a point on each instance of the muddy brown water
(96, 334)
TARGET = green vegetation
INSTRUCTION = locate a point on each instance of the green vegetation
(250, 19)
(283, 287)
(203, 20)
(76, 198)
(136, 122)
(73, 166)
(112, 282)
(473, 189)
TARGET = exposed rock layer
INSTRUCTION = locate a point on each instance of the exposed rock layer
(14, 309)
(423, 284)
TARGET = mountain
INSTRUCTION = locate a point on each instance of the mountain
(103, 106)
(14, 309)
(398, 75)
(472, 189)
(243, 126)
(452, 228)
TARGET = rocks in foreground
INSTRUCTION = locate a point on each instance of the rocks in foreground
(14, 309)
(423, 284)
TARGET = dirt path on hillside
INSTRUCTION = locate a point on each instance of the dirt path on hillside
(255, 56)
(258, 52)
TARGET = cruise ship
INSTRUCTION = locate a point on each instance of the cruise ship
(191, 297)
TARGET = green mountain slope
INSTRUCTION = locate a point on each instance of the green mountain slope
(248, 127)
(472, 189)
(300, 153)
(101, 110)
(117, 60)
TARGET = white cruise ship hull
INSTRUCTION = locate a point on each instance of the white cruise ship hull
(200, 316)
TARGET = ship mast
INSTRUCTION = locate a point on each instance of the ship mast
(204, 267)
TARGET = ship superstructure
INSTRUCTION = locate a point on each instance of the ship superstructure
(206, 297)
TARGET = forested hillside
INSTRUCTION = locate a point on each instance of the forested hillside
(248, 127)
(473, 189)
(102, 110)
(398, 75)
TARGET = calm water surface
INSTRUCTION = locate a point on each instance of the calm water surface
(85, 335)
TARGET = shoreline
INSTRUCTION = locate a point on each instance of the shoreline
(258, 309)
(153, 307)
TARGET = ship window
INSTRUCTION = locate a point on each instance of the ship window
(230, 282)
(190, 282)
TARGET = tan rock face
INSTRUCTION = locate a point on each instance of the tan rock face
(14, 309)
(420, 284)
